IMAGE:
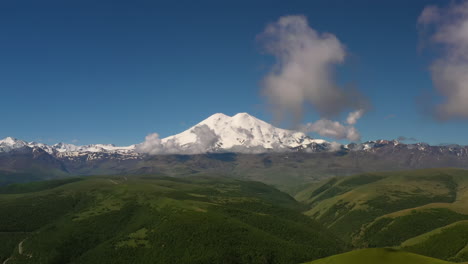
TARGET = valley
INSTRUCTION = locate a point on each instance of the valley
(417, 216)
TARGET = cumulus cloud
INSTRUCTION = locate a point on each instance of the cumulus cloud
(304, 76)
(304, 72)
(335, 146)
(334, 129)
(447, 28)
(353, 117)
(152, 145)
(206, 141)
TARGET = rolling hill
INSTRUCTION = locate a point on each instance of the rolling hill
(422, 215)
(141, 219)
(422, 211)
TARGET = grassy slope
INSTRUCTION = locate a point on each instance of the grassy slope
(380, 256)
(138, 220)
(386, 209)
(448, 242)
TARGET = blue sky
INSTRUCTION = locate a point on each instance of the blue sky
(114, 71)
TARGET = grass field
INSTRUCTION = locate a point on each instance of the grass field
(378, 256)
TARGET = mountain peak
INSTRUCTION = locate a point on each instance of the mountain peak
(239, 133)
(243, 115)
(218, 115)
(12, 141)
(221, 116)
(248, 121)
(9, 140)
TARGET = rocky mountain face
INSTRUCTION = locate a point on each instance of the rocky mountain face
(241, 145)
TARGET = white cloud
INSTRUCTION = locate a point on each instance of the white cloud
(304, 75)
(335, 146)
(353, 117)
(304, 72)
(332, 129)
(151, 145)
(206, 140)
(447, 28)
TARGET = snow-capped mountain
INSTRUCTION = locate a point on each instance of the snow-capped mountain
(9, 143)
(62, 149)
(110, 148)
(239, 133)
(220, 133)
(224, 144)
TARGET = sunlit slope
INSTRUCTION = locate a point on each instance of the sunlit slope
(140, 220)
(378, 256)
(386, 209)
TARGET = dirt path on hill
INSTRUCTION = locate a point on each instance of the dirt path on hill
(20, 247)
(20, 251)
(6, 260)
(114, 182)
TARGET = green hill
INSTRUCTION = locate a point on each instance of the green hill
(143, 219)
(387, 209)
(448, 242)
(378, 256)
(204, 219)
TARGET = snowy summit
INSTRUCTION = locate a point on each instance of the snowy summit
(239, 133)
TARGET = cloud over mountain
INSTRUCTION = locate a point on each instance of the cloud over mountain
(335, 129)
(304, 75)
(241, 133)
(206, 139)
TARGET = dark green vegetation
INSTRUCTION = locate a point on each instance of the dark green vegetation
(35, 186)
(144, 219)
(449, 242)
(422, 211)
(378, 256)
(403, 217)
(9, 240)
(7, 177)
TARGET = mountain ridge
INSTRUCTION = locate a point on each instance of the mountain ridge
(241, 133)
(224, 150)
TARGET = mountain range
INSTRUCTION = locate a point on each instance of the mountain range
(219, 133)
(234, 146)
